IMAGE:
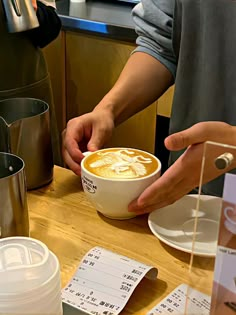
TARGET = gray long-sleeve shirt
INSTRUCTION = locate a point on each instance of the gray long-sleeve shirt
(196, 41)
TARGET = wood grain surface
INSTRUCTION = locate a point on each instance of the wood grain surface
(62, 218)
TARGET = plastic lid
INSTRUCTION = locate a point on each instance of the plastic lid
(24, 264)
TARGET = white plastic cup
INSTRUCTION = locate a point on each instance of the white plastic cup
(29, 278)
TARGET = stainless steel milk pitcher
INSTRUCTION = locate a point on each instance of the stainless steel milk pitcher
(14, 219)
(20, 15)
(25, 132)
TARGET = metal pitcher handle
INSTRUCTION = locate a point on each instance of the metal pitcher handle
(16, 7)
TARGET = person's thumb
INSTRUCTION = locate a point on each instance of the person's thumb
(178, 141)
(101, 134)
(93, 146)
(96, 141)
(198, 133)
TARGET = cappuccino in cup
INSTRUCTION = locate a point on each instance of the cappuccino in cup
(113, 177)
(121, 163)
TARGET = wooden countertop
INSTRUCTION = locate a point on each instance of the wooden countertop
(62, 218)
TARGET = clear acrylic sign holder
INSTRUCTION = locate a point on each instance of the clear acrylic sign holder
(214, 274)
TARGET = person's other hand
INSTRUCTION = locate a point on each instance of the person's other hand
(88, 132)
(184, 174)
(34, 4)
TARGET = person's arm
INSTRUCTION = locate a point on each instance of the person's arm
(148, 73)
(151, 68)
(143, 80)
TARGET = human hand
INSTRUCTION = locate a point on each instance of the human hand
(88, 132)
(184, 174)
(34, 4)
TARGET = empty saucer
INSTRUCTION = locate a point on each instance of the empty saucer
(174, 224)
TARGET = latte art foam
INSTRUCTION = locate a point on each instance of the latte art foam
(121, 163)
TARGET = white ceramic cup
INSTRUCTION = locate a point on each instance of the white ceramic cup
(111, 196)
(229, 223)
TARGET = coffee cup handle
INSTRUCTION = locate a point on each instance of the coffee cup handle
(227, 216)
(86, 153)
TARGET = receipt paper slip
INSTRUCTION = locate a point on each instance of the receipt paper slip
(104, 282)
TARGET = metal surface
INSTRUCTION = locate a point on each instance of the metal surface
(104, 18)
(130, 1)
(224, 160)
(13, 203)
(25, 132)
(20, 15)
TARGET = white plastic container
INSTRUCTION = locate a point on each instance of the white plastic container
(29, 278)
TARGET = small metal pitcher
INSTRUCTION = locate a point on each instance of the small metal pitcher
(14, 219)
(20, 15)
(25, 132)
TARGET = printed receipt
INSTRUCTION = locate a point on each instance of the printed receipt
(104, 282)
(183, 300)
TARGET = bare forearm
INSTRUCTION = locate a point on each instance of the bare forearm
(142, 81)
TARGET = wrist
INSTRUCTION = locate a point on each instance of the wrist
(108, 107)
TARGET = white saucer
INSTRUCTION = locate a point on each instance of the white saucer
(174, 224)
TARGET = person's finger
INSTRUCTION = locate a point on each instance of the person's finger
(144, 210)
(200, 132)
(163, 186)
(96, 141)
(75, 167)
(165, 200)
(70, 144)
(160, 191)
(100, 135)
(34, 4)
